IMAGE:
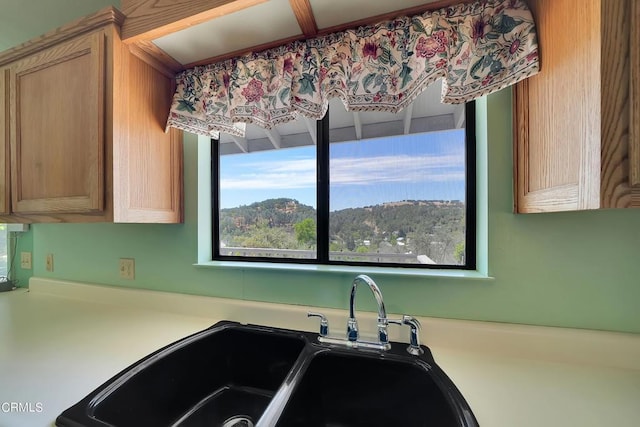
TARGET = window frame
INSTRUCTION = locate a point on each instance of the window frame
(323, 212)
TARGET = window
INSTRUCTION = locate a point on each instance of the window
(366, 188)
(4, 252)
(8, 243)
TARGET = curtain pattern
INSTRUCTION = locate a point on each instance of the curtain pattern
(477, 48)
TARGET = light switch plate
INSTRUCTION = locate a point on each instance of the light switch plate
(127, 268)
(25, 260)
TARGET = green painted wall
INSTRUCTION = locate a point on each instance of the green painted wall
(567, 269)
(22, 20)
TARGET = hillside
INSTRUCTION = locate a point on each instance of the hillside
(418, 227)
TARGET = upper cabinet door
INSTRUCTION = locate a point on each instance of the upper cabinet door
(57, 128)
(557, 112)
(147, 178)
(571, 121)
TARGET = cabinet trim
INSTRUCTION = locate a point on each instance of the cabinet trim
(69, 31)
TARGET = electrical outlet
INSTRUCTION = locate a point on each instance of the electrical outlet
(49, 263)
(127, 268)
(25, 260)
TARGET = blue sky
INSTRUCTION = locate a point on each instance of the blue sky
(373, 171)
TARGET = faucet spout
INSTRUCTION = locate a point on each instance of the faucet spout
(352, 324)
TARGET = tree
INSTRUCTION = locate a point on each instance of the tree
(306, 231)
(458, 252)
(263, 236)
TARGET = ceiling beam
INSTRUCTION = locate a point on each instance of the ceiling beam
(357, 124)
(408, 115)
(304, 15)
(274, 137)
(151, 19)
(311, 127)
(242, 143)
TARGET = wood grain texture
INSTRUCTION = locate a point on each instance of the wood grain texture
(615, 32)
(575, 121)
(634, 134)
(57, 133)
(153, 55)
(304, 15)
(147, 160)
(151, 19)
(73, 29)
(557, 112)
(5, 184)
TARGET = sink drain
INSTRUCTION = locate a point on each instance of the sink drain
(238, 421)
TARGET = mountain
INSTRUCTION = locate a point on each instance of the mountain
(276, 212)
(434, 228)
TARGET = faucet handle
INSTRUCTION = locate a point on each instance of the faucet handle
(414, 333)
(324, 323)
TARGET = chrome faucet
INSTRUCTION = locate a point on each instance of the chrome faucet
(353, 336)
(414, 333)
(352, 323)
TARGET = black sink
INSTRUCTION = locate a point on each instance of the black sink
(204, 380)
(234, 375)
(367, 390)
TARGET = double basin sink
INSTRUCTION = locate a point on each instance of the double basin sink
(234, 375)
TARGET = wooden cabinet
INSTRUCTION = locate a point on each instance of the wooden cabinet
(575, 123)
(84, 122)
(57, 128)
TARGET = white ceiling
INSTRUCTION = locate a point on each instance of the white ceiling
(267, 22)
(329, 13)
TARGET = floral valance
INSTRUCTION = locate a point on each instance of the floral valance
(477, 48)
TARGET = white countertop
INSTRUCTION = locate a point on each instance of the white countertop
(61, 340)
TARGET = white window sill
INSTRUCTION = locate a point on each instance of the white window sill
(443, 273)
